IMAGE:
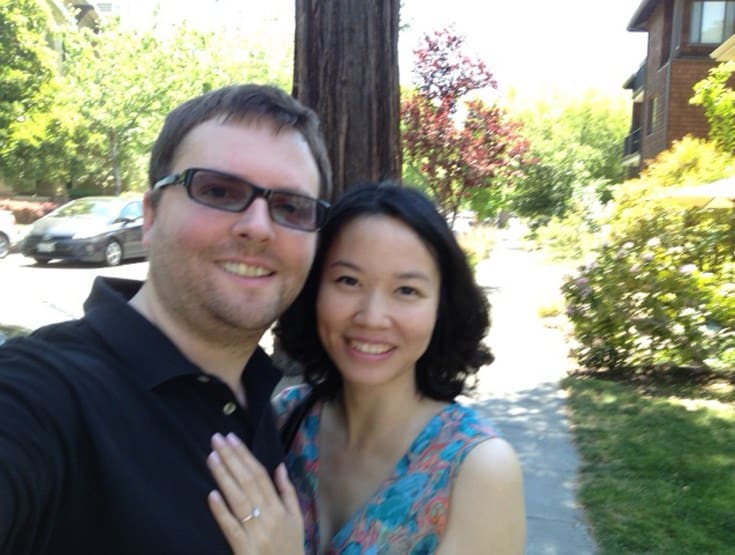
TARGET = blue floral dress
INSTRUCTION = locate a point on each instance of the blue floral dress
(408, 513)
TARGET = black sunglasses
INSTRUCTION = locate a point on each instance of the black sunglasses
(233, 194)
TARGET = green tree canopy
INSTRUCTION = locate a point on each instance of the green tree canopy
(27, 65)
(576, 142)
(114, 88)
(718, 100)
(460, 160)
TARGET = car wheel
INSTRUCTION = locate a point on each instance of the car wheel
(42, 261)
(113, 253)
(4, 245)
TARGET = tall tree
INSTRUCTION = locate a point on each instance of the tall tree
(460, 160)
(114, 88)
(575, 142)
(27, 65)
(346, 69)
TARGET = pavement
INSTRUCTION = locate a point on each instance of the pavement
(520, 392)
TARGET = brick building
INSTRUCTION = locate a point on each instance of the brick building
(681, 36)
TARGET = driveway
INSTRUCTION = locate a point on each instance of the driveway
(32, 296)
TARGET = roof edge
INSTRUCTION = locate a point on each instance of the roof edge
(641, 15)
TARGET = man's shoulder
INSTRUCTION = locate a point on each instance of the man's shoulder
(62, 347)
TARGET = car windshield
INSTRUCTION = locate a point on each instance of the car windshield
(88, 207)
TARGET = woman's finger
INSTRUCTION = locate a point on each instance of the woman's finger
(246, 486)
(287, 491)
(239, 500)
(236, 457)
(252, 468)
(234, 533)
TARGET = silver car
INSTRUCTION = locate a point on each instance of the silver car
(10, 233)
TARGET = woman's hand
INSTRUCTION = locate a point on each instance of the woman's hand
(254, 517)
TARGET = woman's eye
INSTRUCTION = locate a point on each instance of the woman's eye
(407, 290)
(347, 280)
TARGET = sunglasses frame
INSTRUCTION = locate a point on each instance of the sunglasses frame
(186, 177)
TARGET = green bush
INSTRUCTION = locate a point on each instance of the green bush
(477, 242)
(575, 235)
(645, 303)
(661, 290)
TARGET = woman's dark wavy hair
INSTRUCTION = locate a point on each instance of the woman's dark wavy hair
(455, 351)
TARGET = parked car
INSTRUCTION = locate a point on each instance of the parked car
(10, 233)
(90, 229)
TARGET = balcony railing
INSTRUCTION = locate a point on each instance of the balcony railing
(632, 143)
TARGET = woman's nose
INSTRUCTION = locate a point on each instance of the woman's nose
(373, 311)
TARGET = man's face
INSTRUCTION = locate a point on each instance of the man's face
(218, 272)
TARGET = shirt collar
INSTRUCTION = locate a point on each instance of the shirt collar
(145, 351)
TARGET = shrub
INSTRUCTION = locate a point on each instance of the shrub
(575, 235)
(477, 242)
(646, 303)
(27, 212)
(661, 290)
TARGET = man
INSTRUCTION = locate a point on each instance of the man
(105, 422)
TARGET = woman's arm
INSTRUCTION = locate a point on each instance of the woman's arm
(486, 509)
(253, 516)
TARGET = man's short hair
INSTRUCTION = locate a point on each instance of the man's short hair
(241, 103)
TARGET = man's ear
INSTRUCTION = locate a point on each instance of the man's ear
(149, 215)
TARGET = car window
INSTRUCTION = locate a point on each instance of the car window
(85, 207)
(132, 210)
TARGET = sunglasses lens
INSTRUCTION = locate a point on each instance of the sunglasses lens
(220, 191)
(293, 210)
(230, 193)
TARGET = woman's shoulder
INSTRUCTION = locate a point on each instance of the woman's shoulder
(487, 502)
(448, 438)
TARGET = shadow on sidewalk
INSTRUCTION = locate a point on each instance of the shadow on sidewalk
(534, 421)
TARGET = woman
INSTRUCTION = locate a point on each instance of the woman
(384, 459)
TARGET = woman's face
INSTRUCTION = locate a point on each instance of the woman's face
(377, 301)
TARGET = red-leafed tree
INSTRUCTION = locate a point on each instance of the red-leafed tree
(458, 159)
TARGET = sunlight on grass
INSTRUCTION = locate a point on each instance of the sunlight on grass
(658, 468)
(717, 408)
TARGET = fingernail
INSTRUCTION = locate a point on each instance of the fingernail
(218, 440)
(233, 439)
(214, 458)
(281, 471)
(214, 495)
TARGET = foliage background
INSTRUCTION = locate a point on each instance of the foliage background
(80, 117)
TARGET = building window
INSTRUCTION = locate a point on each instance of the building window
(651, 115)
(712, 21)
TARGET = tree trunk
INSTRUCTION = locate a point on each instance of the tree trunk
(115, 155)
(346, 69)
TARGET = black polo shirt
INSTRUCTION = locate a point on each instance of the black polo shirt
(105, 429)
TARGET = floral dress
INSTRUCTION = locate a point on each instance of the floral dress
(408, 513)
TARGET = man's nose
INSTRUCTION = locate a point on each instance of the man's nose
(255, 222)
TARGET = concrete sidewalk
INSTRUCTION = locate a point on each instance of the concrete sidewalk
(520, 392)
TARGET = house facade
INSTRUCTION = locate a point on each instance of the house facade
(682, 34)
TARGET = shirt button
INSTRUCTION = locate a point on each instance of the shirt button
(203, 379)
(229, 408)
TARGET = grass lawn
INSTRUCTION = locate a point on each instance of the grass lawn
(658, 463)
